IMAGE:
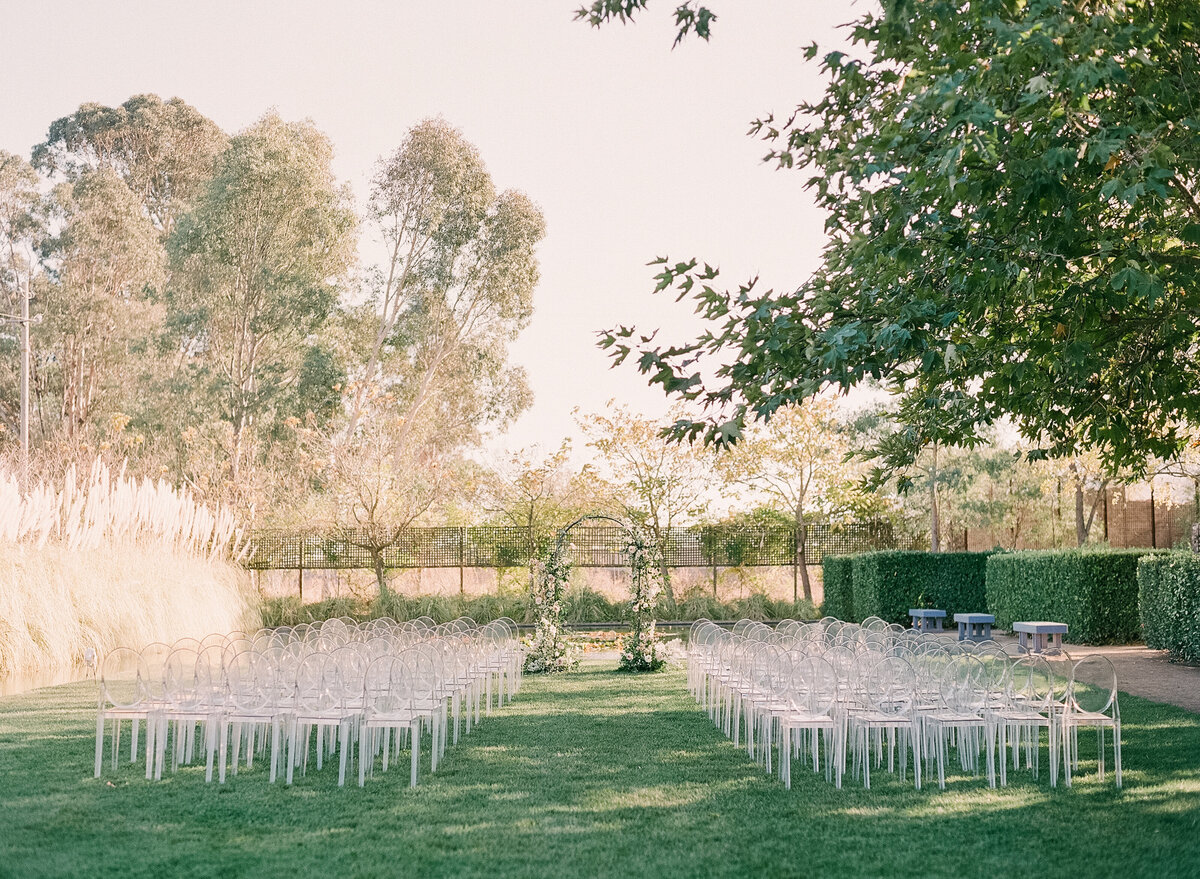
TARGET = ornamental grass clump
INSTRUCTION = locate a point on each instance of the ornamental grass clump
(110, 560)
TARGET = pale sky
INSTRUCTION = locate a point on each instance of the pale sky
(631, 149)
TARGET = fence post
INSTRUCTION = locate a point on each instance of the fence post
(796, 565)
(462, 552)
(301, 570)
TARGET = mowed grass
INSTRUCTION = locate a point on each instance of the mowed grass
(588, 774)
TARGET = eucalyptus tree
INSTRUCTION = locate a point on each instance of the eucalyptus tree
(164, 151)
(456, 289)
(257, 265)
(22, 230)
(101, 264)
(1013, 199)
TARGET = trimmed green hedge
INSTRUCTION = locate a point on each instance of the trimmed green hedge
(1095, 592)
(1169, 601)
(886, 584)
(838, 579)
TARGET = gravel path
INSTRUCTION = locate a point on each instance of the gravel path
(1141, 672)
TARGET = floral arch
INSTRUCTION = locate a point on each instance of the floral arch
(641, 650)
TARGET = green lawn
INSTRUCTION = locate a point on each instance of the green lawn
(590, 774)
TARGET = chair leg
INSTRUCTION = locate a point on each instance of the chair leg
(415, 736)
(99, 743)
(1117, 751)
(343, 746)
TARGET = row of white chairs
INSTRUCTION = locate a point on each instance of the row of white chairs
(874, 690)
(368, 688)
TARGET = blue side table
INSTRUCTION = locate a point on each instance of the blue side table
(974, 626)
(926, 619)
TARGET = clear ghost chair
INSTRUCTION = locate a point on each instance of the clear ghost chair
(964, 699)
(320, 703)
(388, 710)
(1091, 701)
(1027, 709)
(813, 711)
(889, 692)
(123, 696)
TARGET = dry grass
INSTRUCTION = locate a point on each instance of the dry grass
(111, 561)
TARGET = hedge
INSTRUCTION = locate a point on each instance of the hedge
(1169, 602)
(886, 584)
(1095, 592)
(838, 580)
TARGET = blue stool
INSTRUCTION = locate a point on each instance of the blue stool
(1040, 636)
(974, 626)
(927, 620)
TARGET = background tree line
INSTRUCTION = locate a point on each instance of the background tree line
(206, 315)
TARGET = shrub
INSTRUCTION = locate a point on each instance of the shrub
(699, 603)
(886, 584)
(583, 605)
(1095, 592)
(838, 577)
(1169, 603)
(580, 605)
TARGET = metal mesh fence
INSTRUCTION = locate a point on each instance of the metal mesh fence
(593, 546)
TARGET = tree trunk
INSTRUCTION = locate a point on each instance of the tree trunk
(667, 590)
(802, 555)
(380, 576)
(1081, 531)
(1083, 527)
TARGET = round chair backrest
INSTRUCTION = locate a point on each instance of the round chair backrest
(814, 687)
(890, 686)
(318, 684)
(1030, 683)
(179, 678)
(1093, 685)
(963, 686)
(155, 657)
(122, 678)
(352, 665)
(377, 685)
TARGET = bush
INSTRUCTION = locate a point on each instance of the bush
(838, 577)
(288, 611)
(580, 605)
(886, 584)
(1095, 592)
(1169, 603)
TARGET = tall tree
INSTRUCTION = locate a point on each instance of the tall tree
(22, 231)
(164, 151)
(797, 461)
(257, 264)
(660, 484)
(457, 287)
(387, 485)
(102, 265)
(1014, 225)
